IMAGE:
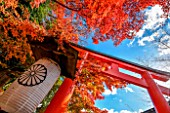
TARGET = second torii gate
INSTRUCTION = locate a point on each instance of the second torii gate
(147, 81)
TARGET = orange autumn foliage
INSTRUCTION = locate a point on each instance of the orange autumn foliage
(90, 84)
(72, 21)
(113, 19)
(16, 28)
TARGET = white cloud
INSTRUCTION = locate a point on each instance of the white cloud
(140, 110)
(110, 111)
(131, 43)
(153, 20)
(109, 92)
(153, 23)
(114, 91)
(140, 33)
(128, 89)
(123, 111)
(126, 111)
(153, 17)
(145, 39)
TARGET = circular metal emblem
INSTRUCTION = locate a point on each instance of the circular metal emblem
(35, 75)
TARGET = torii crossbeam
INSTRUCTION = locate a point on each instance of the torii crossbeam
(146, 81)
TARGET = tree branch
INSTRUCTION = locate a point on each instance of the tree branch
(76, 9)
(159, 41)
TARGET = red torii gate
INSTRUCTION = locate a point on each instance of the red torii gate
(155, 91)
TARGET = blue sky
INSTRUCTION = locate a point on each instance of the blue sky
(123, 50)
(123, 99)
(133, 99)
(130, 98)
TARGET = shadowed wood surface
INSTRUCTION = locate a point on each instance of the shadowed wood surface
(66, 57)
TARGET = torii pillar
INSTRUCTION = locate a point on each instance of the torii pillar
(61, 98)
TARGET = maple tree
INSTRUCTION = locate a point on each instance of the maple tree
(68, 20)
(115, 19)
(22, 21)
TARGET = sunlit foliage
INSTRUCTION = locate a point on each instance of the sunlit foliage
(22, 21)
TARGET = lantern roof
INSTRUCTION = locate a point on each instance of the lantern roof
(64, 55)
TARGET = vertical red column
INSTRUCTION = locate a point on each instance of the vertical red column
(157, 97)
(61, 98)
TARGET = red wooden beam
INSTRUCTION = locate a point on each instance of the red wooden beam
(114, 72)
(128, 66)
(156, 74)
(164, 90)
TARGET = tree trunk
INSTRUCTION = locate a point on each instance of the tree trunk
(26, 93)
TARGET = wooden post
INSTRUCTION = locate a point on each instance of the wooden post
(61, 98)
(26, 93)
